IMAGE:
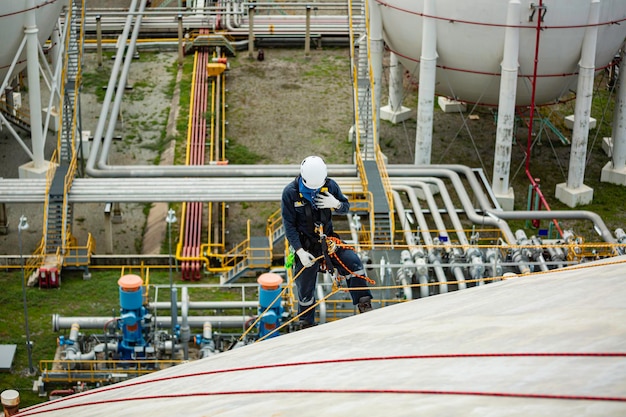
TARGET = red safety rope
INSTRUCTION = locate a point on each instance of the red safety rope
(334, 391)
(34, 409)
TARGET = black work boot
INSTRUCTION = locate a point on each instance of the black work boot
(301, 325)
(365, 304)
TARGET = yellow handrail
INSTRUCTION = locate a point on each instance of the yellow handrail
(99, 370)
(39, 254)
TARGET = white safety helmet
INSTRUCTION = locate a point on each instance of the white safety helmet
(313, 171)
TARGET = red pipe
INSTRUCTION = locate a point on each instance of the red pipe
(62, 392)
(536, 188)
(193, 214)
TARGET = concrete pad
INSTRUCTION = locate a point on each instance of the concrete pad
(547, 344)
(574, 197)
(395, 117)
(85, 141)
(506, 201)
(352, 132)
(612, 175)
(28, 170)
(569, 122)
(451, 106)
(7, 353)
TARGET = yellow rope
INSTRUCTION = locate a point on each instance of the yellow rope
(246, 331)
(297, 316)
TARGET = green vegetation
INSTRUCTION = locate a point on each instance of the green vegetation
(96, 82)
(330, 67)
(158, 146)
(139, 89)
(182, 122)
(240, 155)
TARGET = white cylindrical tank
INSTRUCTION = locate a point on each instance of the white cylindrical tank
(470, 42)
(12, 22)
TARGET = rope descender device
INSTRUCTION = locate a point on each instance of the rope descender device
(327, 264)
(329, 247)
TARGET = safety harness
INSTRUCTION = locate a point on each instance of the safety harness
(330, 244)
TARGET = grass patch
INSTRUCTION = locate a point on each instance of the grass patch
(96, 81)
(182, 120)
(329, 67)
(139, 90)
(241, 155)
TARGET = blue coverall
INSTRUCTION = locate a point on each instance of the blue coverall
(299, 216)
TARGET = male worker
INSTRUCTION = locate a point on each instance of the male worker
(308, 202)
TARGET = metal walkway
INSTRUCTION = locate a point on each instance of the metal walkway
(57, 238)
(382, 225)
(368, 152)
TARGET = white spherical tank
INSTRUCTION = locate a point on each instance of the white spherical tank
(470, 43)
(12, 22)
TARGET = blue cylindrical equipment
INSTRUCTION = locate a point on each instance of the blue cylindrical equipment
(132, 313)
(270, 303)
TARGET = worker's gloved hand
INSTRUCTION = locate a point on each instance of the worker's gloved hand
(327, 200)
(305, 258)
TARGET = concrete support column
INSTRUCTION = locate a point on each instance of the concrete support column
(117, 213)
(376, 49)
(251, 32)
(34, 88)
(108, 229)
(426, 94)
(395, 112)
(574, 192)
(615, 170)
(307, 36)
(4, 220)
(99, 40)
(506, 110)
(180, 40)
